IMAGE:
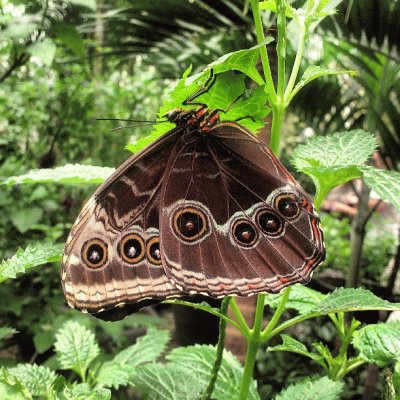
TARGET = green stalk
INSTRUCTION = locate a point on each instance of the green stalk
(253, 343)
(220, 350)
(240, 319)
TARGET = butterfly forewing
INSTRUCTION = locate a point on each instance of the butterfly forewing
(112, 255)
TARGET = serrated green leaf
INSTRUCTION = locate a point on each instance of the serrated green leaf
(309, 389)
(187, 374)
(33, 256)
(45, 51)
(67, 174)
(294, 346)
(378, 343)
(37, 378)
(386, 184)
(301, 298)
(120, 369)
(11, 387)
(76, 347)
(85, 3)
(344, 300)
(6, 331)
(70, 37)
(83, 391)
(335, 159)
(313, 72)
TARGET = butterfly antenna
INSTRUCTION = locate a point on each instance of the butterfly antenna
(143, 123)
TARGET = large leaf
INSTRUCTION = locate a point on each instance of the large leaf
(33, 256)
(70, 37)
(37, 378)
(67, 174)
(308, 389)
(301, 299)
(379, 343)
(386, 184)
(45, 51)
(187, 374)
(147, 349)
(11, 387)
(76, 347)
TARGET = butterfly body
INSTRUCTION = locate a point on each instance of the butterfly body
(207, 209)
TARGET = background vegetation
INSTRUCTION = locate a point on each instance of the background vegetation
(65, 63)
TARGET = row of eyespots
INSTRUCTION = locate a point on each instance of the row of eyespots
(132, 249)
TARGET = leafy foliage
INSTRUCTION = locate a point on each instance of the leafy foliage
(33, 256)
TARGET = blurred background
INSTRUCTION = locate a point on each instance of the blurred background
(65, 63)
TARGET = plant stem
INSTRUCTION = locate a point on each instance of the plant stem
(253, 343)
(239, 318)
(220, 350)
(263, 50)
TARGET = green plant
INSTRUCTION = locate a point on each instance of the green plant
(330, 161)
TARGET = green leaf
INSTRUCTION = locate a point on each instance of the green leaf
(334, 159)
(71, 38)
(45, 51)
(120, 369)
(82, 391)
(6, 332)
(313, 72)
(386, 184)
(26, 218)
(311, 389)
(344, 300)
(301, 298)
(67, 174)
(85, 3)
(76, 347)
(37, 378)
(244, 61)
(294, 346)
(33, 256)
(378, 343)
(11, 387)
(270, 5)
(187, 373)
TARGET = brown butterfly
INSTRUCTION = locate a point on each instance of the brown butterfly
(205, 209)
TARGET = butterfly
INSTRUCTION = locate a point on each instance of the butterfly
(205, 209)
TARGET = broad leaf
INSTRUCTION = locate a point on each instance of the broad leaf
(313, 72)
(147, 349)
(6, 332)
(386, 184)
(24, 219)
(82, 391)
(33, 256)
(37, 378)
(335, 159)
(379, 343)
(187, 374)
(344, 300)
(70, 37)
(294, 346)
(76, 347)
(11, 387)
(67, 174)
(45, 51)
(301, 298)
(308, 389)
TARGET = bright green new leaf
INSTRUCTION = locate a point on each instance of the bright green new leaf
(37, 378)
(294, 346)
(83, 391)
(147, 349)
(311, 389)
(67, 174)
(6, 332)
(33, 256)
(379, 343)
(334, 159)
(85, 3)
(76, 347)
(386, 184)
(313, 72)
(301, 299)
(344, 300)
(11, 387)
(187, 373)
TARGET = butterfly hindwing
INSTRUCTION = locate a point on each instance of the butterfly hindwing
(223, 224)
